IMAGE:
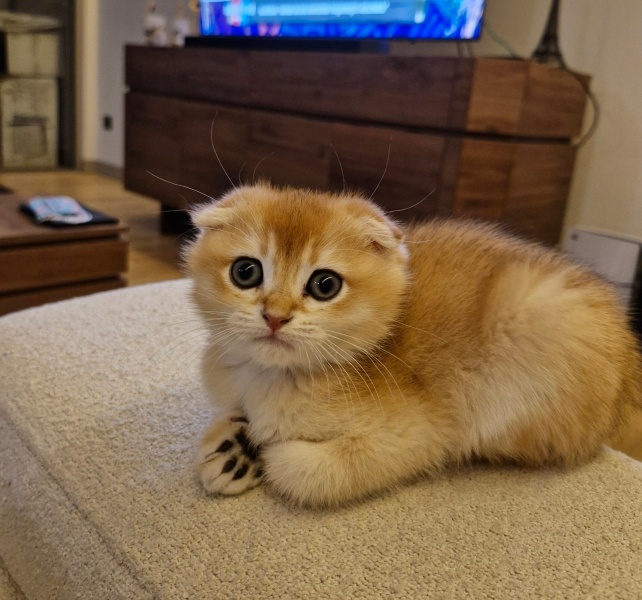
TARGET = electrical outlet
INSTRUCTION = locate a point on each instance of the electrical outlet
(108, 122)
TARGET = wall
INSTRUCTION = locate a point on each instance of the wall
(598, 37)
(602, 38)
(105, 27)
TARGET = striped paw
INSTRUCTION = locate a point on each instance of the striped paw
(228, 463)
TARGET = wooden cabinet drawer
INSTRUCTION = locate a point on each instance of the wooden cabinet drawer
(26, 299)
(305, 152)
(24, 268)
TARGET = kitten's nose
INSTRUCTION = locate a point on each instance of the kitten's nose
(275, 322)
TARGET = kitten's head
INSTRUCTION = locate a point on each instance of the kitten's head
(292, 278)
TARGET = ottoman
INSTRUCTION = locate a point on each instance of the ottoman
(101, 408)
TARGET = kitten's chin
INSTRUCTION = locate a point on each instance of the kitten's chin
(279, 357)
(273, 352)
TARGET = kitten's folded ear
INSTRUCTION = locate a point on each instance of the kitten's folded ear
(210, 216)
(382, 233)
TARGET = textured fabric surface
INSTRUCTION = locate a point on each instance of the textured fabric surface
(8, 589)
(100, 412)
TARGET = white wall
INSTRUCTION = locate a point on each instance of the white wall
(105, 27)
(603, 38)
(599, 37)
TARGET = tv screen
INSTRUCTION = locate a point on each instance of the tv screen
(344, 19)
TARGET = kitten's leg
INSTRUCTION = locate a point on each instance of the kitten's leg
(227, 462)
(337, 471)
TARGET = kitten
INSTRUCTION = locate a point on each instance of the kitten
(348, 355)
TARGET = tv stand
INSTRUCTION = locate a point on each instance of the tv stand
(482, 138)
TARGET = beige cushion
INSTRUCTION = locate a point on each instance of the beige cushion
(8, 588)
(100, 411)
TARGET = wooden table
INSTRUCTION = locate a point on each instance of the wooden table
(40, 264)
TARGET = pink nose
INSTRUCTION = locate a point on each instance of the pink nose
(275, 322)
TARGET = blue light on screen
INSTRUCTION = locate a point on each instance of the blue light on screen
(336, 19)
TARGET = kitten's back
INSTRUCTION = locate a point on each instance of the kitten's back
(518, 335)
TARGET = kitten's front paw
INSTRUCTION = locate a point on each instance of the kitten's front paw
(227, 462)
(305, 474)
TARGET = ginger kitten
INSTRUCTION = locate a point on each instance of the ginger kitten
(347, 355)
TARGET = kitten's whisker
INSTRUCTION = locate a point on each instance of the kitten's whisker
(343, 177)
(208, 338)
(180, 185)
(213, 336)
(377, 346)
(188, 355)
(258, 164)
(177, 341)
(413, 205)
(211, 316)
(226, 173)
(216, 153)
(340, 380)
(322, 365)
(347, 358)
(358, 368)
(221, 332)
(235, 338)
(241, 171)
(207, 359)
(372, 359)
(304, 348)
(384, 170)
(221, 345)
(168, 326)
(419, 329)
(215, 299)
(348, 382)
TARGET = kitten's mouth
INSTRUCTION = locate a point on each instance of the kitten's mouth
(273, 340)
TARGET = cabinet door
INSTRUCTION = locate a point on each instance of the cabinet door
(482, 179)
(540, 179)
(153, 147)
(522, 185)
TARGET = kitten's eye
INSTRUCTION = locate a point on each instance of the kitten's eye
(324, 285)
(246, 273)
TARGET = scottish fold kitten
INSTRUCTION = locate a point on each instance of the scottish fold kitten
(348, 355)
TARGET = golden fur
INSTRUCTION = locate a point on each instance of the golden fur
(447, 341)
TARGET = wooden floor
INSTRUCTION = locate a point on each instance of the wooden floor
(153, 257)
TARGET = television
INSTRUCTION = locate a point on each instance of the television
(381, 20)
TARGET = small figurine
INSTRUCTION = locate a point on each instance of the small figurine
(155, 26)
(181, 26)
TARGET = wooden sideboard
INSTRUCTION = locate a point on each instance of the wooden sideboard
(481, 138)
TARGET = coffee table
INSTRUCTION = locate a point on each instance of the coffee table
(40, 264)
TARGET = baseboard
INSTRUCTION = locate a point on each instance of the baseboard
(95, 166)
